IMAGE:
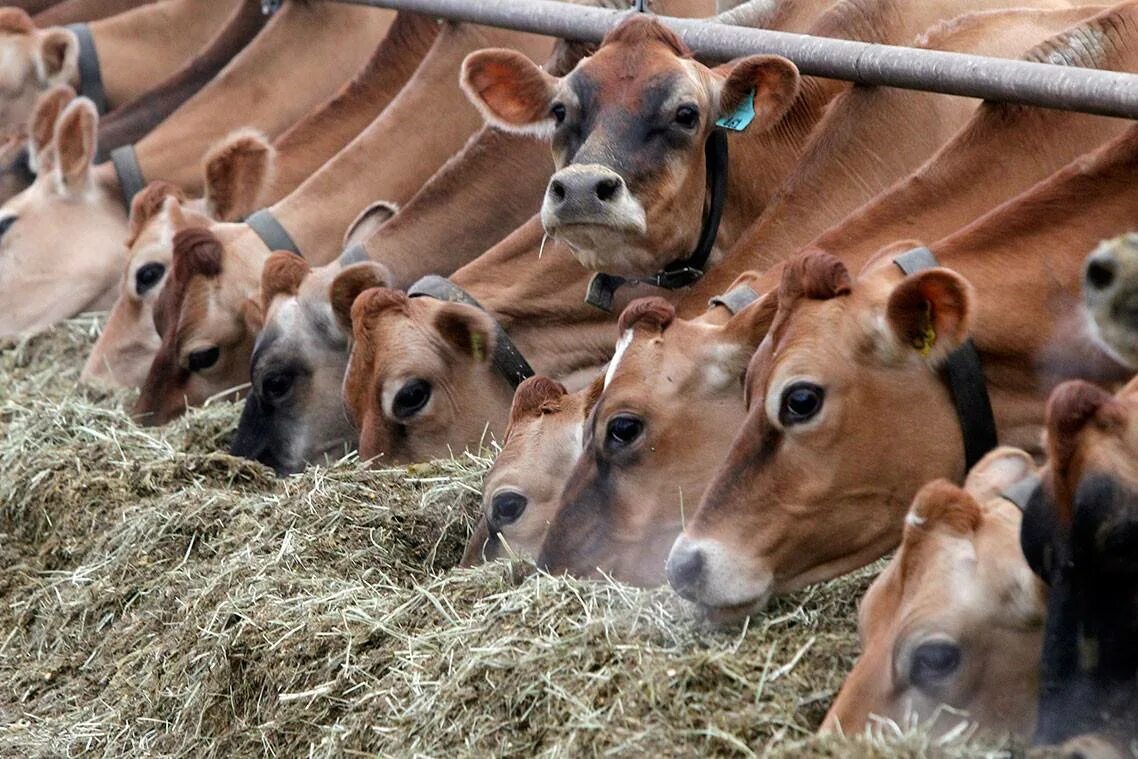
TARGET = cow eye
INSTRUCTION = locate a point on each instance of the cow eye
(276, 386)
(6, 224)
(800, 403)
(687, 116)
(506, 507)
(933, 662)
(204, 359)
(622, 431)
(148, 276)
(557, 111)
(411, 398)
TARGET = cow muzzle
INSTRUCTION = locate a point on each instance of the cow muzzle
(707, 572)
(590, 195)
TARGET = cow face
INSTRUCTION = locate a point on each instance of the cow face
(956, 618)
(1110, 290)
(1080, 535)
(672, 399)
(416, 367)
(208, 317)
(234, 172)
(31, 61)
(294, 414)
(628, 126)
(846, 419)
(522, 490)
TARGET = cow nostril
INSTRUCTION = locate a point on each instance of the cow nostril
(557, 190)
(506, 507)
(607, 188)
(1100, 273)
(684, 570)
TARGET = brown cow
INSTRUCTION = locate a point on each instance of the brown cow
(849, 373)
(1110, 291)
(956, 618)
(521, 494)
(63, 12)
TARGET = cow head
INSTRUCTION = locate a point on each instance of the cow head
(416, 367)
(61, 239)
(1110, 290)
(846, 419)
(294, 413)
(522, 490)
(1080, 534)
(234, 171)
(956, 618)
(629, 125)
(31, 61)
(208, 317)
(672, 400)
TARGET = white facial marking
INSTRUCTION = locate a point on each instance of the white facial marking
(621, 346)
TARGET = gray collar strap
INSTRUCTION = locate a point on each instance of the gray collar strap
(128, 172)
(1021, 492)
(90, 74)
(964, 375)
(735, 299)
(353, 254)
(508, 360)
(271, 232)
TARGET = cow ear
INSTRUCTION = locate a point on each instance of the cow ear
(512, 91)
(282, 274)
(147, 204)
(773, 80)
(41, 125)
(236, 170)
(651, 313)
(56, 55)
(535, 396)
(16, 21)
(254, 316)
(931, 313)
(470, 331)
(998, 471)
(368, 221)
(349, 283)
(74, 143)
(943, 504)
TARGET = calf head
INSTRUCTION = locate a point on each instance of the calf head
(629, 125)
(31, 61)
(956, 618)
(294, 413)
(61, 249)
(672, 400)
(235, 171)
(1080, 534)
(1110, 289)
(846, 419)
(522, 490)
(417, 366)
(208, 317)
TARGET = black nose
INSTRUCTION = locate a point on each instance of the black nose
(685, 566)
(585, 189)
(1101, 272)
(506, 507)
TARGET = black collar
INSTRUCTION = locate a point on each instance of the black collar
(964, 376)
(686, 271)
(508, 360)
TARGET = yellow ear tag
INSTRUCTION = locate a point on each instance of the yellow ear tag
(476, 346)
(924, 344)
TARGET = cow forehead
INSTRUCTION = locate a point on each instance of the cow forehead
(634, 82)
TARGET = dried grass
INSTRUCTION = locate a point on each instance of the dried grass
(158, 597)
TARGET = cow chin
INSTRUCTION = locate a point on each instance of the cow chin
(613, 245)
(725, 586)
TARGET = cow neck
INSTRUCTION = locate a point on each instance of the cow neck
(686, 271)
(964, 375)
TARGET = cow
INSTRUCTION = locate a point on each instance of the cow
(522, 490)
(1080, 535)
(850, 371)
(62, 12)
(235, 172)
(1110, 292)
(952, 628)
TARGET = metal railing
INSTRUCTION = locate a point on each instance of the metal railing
(1106, 93)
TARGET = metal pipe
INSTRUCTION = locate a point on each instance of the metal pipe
(1106, 93)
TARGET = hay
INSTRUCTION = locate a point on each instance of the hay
(160, 597)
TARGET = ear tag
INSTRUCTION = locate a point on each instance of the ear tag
(927, 340)
(476, 347)
(742, 117)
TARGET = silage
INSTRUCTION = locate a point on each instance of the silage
(162, 598)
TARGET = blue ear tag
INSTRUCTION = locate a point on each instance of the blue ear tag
(742, 117)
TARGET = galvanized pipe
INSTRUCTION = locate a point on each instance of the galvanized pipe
(1067, 88)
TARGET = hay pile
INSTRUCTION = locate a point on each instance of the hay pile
(160, 597)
